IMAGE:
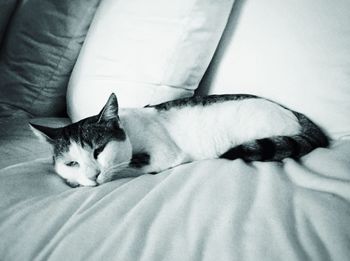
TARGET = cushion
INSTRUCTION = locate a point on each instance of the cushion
(19, 144)
(41, 47)
(145, 51)
(295, 52)
(6, 9)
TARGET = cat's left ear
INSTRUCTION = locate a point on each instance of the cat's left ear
(110, 110)
(44, 133)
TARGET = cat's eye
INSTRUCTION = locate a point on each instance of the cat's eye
(97, 151)
(72, 164)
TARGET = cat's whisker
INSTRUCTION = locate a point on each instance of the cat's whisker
(117, 167)
(110, 172)
(120, 165)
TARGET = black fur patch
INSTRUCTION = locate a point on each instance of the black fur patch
(200, 100)
(267, 148)
(88, 132)
(233, 153)
(261, 150)
(294, 147)
(311, 132)
(140, 160)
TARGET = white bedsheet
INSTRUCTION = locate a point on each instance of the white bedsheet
(213, 210)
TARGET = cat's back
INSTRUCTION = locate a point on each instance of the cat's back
(202, 101)
(201, 124)
(241, 112)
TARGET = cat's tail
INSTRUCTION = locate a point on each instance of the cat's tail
(279, 147)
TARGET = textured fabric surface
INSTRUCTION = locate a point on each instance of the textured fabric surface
(209, 210)
(42, 43)
(6, 9)
(295, 52)
(145, 51)
(9, 111)
(19, 144)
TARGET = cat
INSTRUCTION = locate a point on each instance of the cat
(129, 142)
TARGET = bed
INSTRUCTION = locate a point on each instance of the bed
(207, 210)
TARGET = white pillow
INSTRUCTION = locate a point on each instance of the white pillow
(295, 52)
(145, 51)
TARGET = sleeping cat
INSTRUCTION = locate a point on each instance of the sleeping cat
(130, 142)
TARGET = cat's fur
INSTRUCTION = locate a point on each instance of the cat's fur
(130, 142)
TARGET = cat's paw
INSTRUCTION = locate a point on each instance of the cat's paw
(101, 179)
(83, 183)
(87, 183)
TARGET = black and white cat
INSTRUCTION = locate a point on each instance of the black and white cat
(130, 142)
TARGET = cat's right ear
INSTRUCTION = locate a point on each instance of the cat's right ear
(110, 110)
(44, 133)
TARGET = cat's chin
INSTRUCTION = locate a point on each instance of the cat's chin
(89, 183)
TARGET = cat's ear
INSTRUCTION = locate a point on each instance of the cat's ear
(110, 110)
(44, 133)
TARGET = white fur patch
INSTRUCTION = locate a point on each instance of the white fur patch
(209, 131)
(90, 171)
(84, 172)
(115, 157)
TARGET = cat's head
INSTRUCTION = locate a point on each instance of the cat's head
(94, 146)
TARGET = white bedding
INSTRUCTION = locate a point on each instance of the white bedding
(295, 52)
(209, 210)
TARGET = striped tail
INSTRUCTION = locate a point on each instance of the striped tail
(279, 147)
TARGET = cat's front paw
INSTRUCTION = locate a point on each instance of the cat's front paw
(101, 179)
(83, 183)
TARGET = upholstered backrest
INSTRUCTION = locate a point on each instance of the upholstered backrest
(6, 9)
(41, 45)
